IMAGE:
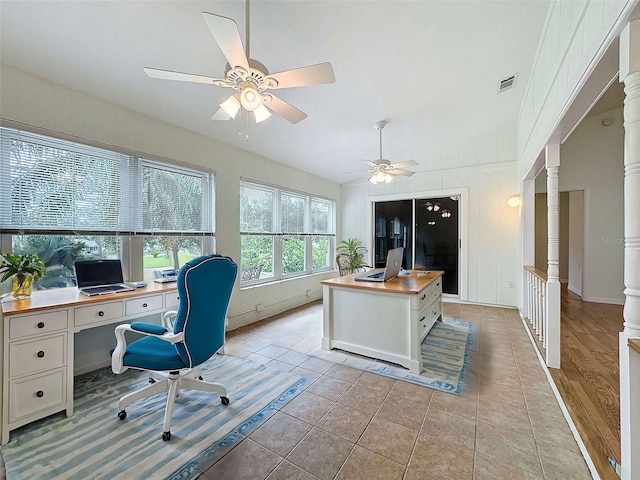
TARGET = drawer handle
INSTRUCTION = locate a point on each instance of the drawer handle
(438, 284)
(101, 313)
(40, 325)
(144, 305)
(434, 312)
(39, 394)
(41, 354)
(423, 319)
(423, 296)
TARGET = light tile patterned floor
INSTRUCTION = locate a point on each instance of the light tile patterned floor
(350, 424)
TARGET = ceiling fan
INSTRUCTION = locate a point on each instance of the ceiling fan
(382, 170)
(248, 77)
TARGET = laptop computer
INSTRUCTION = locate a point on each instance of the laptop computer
(98, 277)
(391, 270)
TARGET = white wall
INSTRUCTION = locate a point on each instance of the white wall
(492, 229)
(575, 35)
(592, 159)
(33, 101)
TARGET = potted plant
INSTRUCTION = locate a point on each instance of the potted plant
(23, 269)
(351, 256)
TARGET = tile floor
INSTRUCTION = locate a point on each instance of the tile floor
(350, 424)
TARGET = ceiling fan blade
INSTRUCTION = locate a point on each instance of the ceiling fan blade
(319, 74)
(226, 33)
(182, 77)
(285, 110)
(408, 163)
(371, 164)
(221, 115)
(404, 173)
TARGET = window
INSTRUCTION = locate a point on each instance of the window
(283, 233)
(67, 201)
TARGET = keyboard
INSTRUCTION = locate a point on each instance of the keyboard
(102, 289)
(376, 275)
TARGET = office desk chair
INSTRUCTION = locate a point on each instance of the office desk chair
(175, 351)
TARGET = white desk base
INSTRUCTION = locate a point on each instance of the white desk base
(384, 325)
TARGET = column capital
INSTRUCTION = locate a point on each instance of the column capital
(630, 49)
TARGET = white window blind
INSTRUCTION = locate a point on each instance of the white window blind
(48, 185)
(175, 199)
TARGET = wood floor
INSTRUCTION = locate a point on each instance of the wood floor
(589, 380)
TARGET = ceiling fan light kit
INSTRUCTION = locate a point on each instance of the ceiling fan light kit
(248, 77)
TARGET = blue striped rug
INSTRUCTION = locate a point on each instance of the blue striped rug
(94, 444)
(445, 358)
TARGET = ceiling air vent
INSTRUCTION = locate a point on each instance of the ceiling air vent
(506, 83)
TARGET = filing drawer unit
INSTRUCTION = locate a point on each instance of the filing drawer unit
(36, 367)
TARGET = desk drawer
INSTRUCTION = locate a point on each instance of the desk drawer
(37, 355)
(435, 310)
(171, 300)
(137, 306)
(25, 326)
(424, 299)
(98, 313)
(33, 394)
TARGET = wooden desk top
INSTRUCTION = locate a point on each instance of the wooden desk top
(413, 283)
(67, 297)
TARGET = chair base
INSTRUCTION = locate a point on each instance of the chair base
(172, 383)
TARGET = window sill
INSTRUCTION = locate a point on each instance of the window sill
(285, 280)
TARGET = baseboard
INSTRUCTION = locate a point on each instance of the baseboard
(611, 301)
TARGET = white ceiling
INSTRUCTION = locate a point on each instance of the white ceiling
(430, 68)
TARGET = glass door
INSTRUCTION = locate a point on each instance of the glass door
(393, 228)
(437, 238)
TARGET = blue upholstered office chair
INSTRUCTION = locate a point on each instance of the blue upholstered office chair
(174, 352)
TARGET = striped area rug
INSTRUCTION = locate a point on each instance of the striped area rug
(94, 444)
(445, 358)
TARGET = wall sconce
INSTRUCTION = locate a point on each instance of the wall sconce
(514, 201)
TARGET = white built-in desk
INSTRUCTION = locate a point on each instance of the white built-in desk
(37, 344)
(384, 320)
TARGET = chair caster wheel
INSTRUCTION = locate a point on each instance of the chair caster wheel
(152, 380)
(200, 378)
(122, 415)
(224, 400)
(166, 436)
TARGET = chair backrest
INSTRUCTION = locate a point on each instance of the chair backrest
(204, 290)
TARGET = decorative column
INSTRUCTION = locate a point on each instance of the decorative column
(552, 317)
(630, 360)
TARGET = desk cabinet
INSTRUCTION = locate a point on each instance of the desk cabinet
(36, 368)
(37, 340)
(384, 320)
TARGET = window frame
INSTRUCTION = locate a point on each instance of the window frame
(278, 234)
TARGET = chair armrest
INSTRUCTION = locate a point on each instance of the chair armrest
(151, 328)
(167, 319)
(121, 343)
